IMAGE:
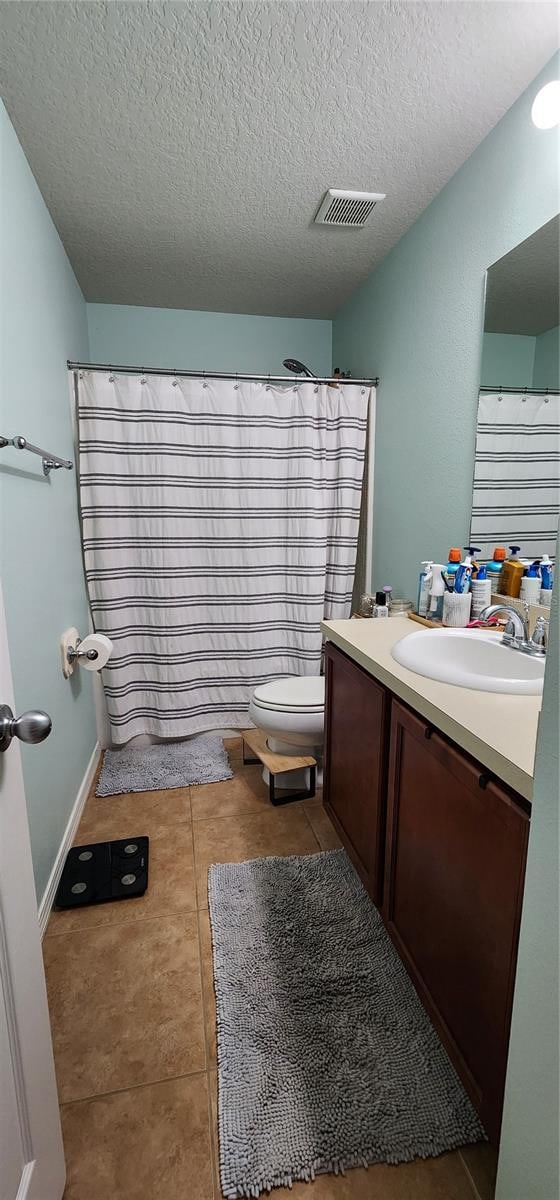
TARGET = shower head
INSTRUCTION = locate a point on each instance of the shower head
(297, 367)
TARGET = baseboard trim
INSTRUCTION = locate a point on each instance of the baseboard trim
(69, 833)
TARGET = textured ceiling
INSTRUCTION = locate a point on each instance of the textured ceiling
(183, 148)
(523, 287)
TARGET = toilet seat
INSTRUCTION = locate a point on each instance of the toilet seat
(297, 693)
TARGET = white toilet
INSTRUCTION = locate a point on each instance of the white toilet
(292, 714)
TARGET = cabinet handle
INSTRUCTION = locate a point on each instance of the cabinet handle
(428, 731)
(483, 781)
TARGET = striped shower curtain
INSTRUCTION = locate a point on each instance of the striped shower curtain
(516, 489)
(219, 524)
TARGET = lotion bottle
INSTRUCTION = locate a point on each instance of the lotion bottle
(511, 574)
(530, 590)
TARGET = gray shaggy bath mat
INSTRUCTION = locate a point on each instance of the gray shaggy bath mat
(201, 759)
(326, 1057)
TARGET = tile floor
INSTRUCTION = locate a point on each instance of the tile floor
(132, 1007)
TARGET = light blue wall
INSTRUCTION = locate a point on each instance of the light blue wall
(508, 360)
(417, 322)
(43, 321)
(189, 340)
(511, 360)
(547, 359)
(529, 1166)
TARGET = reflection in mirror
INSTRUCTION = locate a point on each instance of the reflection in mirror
(516, 489)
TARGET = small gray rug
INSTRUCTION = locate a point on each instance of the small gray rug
(326, 1057)
(201, 759)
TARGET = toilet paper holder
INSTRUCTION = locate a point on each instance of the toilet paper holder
(76, 651)
(73, 653)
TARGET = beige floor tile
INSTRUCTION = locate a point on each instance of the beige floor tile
(129, 1008)
(106, 817)
(324, 831)
(125, 1004)
(442, 1178)
(245, 793)
(280, 831)
(481, 1162)
(150, 1143)
(214, 1141)
(170, 889)
(208, 995)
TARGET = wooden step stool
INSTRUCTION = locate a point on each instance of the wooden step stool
(278, 764)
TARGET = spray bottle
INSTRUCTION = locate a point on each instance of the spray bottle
(437, 589)
(424, 584)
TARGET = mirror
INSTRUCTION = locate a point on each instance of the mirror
(516, 487)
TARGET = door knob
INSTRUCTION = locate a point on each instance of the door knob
(33, 726)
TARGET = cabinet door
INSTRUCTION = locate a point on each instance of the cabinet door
(355, 776)
(454, 873)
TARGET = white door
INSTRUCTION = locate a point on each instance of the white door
(31, 1154)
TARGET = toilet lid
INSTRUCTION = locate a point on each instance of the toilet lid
(298, 692)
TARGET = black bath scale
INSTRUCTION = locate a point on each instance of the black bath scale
(104, 871)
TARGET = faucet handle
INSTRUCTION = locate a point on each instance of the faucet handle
(539, 638)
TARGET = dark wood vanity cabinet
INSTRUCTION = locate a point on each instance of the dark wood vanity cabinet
(454, 872)
(455, 844)
(355, 775)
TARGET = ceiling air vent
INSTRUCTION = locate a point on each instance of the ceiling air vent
(349, 209)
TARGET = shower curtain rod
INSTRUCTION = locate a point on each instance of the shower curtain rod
(523, 391)
(85, 366)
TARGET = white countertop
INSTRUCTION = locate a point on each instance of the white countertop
(500, 731)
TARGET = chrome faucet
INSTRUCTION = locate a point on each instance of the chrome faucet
(516, 632)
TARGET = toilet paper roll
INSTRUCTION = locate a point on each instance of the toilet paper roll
(104, 647)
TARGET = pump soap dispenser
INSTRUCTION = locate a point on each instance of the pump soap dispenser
(511, 574)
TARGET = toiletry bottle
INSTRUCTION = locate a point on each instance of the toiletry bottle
(453, 564)
(546, 580)
(463, 575)
(511, 574)
(530, 590)
(388, 597)
(380, 607)
(481, 589)
(495, 565)
(437, 589)
(424, 587)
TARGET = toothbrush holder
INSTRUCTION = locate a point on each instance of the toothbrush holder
(457, 609)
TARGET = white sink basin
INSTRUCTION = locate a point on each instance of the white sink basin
(470, 659)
